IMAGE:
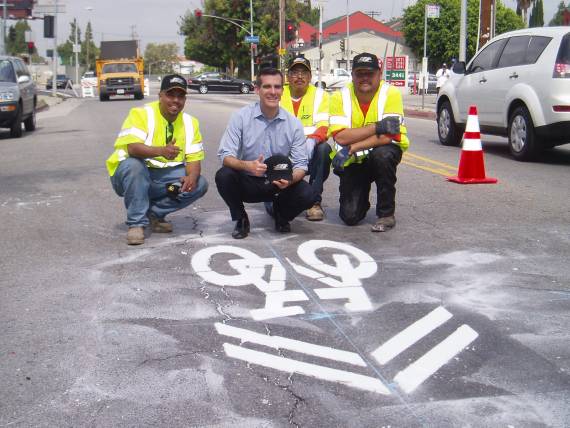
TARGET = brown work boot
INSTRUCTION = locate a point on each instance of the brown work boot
(384, 224)
(315, 213)
(159, 225)
(135, 235)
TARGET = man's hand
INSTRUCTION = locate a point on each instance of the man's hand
(340, 158)
(170, 151)
(389, 125)
(188, 183)
(257, 167)
(281, 183)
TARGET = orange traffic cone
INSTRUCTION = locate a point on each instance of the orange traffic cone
(471, 163)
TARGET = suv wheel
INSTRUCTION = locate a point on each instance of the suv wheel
(244, 89)
(448, 131)
(522, 139)
(30, 122)
(16, 128)
(203, 89)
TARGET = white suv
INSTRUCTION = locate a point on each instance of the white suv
(520, 83)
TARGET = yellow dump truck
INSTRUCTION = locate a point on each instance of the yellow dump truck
(120, 70)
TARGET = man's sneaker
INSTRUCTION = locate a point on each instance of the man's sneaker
(384, 224)
(159, 225)
(315, 213)
(135, 235)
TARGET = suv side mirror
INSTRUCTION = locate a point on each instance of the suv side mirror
(459, 67)
(23, 79)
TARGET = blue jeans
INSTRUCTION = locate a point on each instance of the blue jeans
(144, 190)
(319, 168)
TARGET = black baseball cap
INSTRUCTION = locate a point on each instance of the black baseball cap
(278, 167)
(300, 60)
(171, 81)
(366, 60)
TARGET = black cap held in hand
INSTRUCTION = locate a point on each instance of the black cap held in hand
(172, 81)
(279, 167)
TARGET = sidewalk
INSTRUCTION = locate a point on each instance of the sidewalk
(413, 106)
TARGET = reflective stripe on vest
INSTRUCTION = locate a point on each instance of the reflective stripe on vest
(188, 131)
(347, 108)
(136, 132)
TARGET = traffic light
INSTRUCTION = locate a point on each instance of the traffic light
(48, 26)
(31, 48)
(314, 39)
(198, 15)
(289, 31)
(342, 46)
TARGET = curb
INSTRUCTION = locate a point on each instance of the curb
(420, 114)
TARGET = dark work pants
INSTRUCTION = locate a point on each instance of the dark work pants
(236, 187)
(319, 168)
(356, 179)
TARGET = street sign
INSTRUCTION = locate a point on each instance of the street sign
(76, 48)
(432, 10)
(252, 39)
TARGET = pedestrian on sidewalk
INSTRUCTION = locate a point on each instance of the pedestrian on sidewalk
(156, 163)
(367, 123)
(442, 75)
(264, 159)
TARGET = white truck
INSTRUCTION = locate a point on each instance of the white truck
(336, 79)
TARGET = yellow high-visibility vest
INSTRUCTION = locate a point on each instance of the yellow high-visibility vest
(146, 125)
(345, 113)
(313, 111)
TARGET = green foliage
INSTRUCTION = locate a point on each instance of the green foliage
(557, 19)
(218, 43)
(537, 15)
(16, 40)
(89, 51)
(158, 58)
(443, 32)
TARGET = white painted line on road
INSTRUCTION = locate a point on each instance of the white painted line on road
(417, 372)
(279, 342)
(288, 365)
(357, 298)
(411, 335)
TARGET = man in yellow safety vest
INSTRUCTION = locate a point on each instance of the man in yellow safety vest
(367, 123)
(156, 163)
(311, 106)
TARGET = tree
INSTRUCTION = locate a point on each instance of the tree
(89, 51)
(158, 58)
(537, 15)
(524, 5)
(221, 44)
(16, 41)
(557, 19)
(443, 32)
(65, 50)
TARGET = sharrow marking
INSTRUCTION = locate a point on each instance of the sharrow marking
(417, 372)
(277, 342)
(288, 365)
(411, 335)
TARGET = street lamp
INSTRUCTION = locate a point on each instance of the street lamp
(88, 9)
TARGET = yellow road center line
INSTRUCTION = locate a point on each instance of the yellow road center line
(432, 161)
(442, 172)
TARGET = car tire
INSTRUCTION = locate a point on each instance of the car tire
(203, 89)
(244, 89)
(448, 131)
(30, 122)
(523, 144)
(139, 96)
(16, 128)
(103, 97)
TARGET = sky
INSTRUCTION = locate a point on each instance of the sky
(156, 21)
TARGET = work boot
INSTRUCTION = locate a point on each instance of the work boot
(384, 224)
(159, 225)
(135, 235)
(315, 213)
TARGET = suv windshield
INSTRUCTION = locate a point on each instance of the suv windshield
(119, 68)
(7, 72)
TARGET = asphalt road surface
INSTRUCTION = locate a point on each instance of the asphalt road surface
(457, 317)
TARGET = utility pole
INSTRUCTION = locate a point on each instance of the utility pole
(54, 57)
(486, 19)
(251, 34)
(281, 32)
(463, 31)
(76, 50)
(4, 14)
(347, 38)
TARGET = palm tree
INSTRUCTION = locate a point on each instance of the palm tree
(524, 5)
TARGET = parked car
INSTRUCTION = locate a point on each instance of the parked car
(61, 82)
(520, 83)
(18, 97)
(432, 82)
(213, 81)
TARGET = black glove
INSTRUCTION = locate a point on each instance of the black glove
(389, 125)
(340, 158)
